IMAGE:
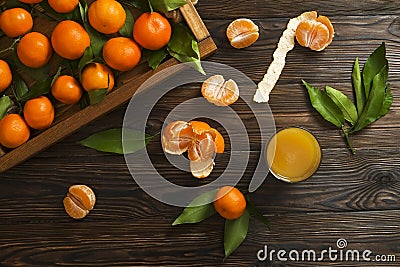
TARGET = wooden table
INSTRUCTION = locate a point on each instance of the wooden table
(351, 197)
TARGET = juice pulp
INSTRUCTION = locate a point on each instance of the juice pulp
(293, 154)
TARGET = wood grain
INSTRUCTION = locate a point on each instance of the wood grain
(351, 197)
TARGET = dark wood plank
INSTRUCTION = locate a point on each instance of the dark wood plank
(121, 243)
(228, 10)
(351, 197)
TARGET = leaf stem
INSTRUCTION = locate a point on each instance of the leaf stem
(11, 47)
(346, 136)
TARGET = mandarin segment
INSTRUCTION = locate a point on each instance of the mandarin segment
(242, 33)
(74, 210)
(315, 34)
(201, 168)
(198, 139)
(229, 202)
(176, 137)
(79, 201)
(220, 92)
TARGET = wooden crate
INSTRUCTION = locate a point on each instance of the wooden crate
(71, 118)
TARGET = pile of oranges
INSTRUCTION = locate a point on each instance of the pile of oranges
(69, 40)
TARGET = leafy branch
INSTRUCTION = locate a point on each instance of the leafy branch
(372, 94)
(235, 232)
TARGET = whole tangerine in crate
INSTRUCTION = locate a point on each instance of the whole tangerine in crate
(70, 39)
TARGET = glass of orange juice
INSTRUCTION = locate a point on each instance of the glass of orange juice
(293, 154)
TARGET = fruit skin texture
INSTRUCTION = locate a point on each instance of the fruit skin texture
(229, 202)
(70, 39)
(5, 75)
(152, 31)
(31, 1)
(106, 16)
(13, 131)
(67, 90)
(34, 50)
(97, 76)
(63, 6)
(121, 53)
(15, 22)
(39, 113)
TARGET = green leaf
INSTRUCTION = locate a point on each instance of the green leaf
(49, 11)
(199, 209)
(235, 233)
(86, 58)
(127, 28)
(83, 8)
(184, 47)
(111, 141)
(19, 86)
(373, 107)
(195, 62)
(15, 3)
(96, 96)
(97, 40)
(154, 58)
(358, 87)
(325, 106)
(38, 89)
(374, 64)
(164, 6)
(37, 74)
(387, 103)
(142, 5)
(254, 211)
(56, 76)
(344, 103)
(5, 103)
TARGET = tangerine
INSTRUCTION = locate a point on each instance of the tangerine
(121, 53)
(5, 75)
(39, 113)
(229, 202)
(242, 33)
(97, 76)
(13, 131)
(152, 30)
(15, 22)
(34, 50)
(63, 6)
(70, 39)
(79, 201)
(219, 92)
(66, 89)
(106, 16)
(315, 34)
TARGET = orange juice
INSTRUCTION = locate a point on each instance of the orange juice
(293, 154)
